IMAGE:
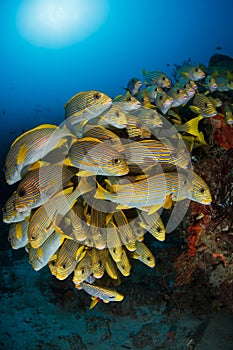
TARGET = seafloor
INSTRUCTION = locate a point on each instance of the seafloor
(185, 302)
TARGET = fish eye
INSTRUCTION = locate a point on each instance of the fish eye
(185, 86)
(178, 91)
(33, 237)
(117, 114)
(99, 263)
(114, 250)
(128, 99)
(21, 193)
(142, 99)
(148, 258)
(53, 263)
(196, 70)
(202, 190)
(97, 96)
(164, 78)
(64, 266)
(116, 161)
(82, 271)
(133, 80)
(161, 97)
(206, 105)
(158, 229)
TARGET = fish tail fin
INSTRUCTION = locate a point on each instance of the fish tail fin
(191, 127)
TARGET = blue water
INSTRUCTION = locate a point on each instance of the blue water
(36, 81)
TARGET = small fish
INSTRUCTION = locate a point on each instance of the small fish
(163, 102)
(83, 269)
(218, 48)
(98, 262)
(30, 147)
(3, 112)
(126, 232)
(126, 102)
(183, 80)
(40, 257)
(188, 88)
(46, 218)
(111, 268)
(11, 214)
(114, 116)
(68, 256)
(179, 96)
(190, 72)
(209, 83)
(201, 105)
(148, 194)
(136, 128)
(228, 114)
(143, 254)
(150, 93)
(224, 83)
(200, 191)
(133, 86)
(17, 236)
(149, 117)
(153, 224)
(216, 101)
(105, 294)
(39, 185)
(156, 78)
(124, 265)
(95, 157)
(86, 105)
(114, 243)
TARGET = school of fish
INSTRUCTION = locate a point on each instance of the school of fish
(89, 189)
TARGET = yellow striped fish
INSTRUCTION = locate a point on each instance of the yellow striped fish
(68, 256)
(39, 185)
(200, 191)
(150, 117)
(125, 230)
(190, 72)
(86, 105)
(17, 236)
(179, 96)
(98, 262)
(153, 224)
(163, 102)
(111, 268)
(124, 265)
(156, 77)
(40, 257)
(95, 157)
(11, 214)
(126, 102)
(30, 147)
(149, 192)
(105, 294)
(83, 269)
(114, 116)
(47, 218)
(114, 243)
(203, 106)
(143, 254)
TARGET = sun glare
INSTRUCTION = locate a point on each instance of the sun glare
(59, 23)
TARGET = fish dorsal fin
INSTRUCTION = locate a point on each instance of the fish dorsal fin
(89, 139)
(42, 126)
